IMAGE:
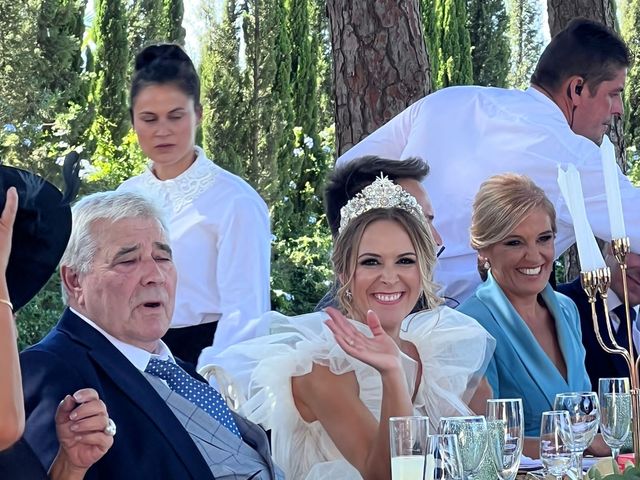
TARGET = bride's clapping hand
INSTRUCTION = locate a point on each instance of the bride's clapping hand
(379, 351)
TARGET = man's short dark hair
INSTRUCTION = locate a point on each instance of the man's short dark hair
(346, 181)
(585, 48)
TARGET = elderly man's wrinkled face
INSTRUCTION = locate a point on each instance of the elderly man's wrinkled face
(130, 288)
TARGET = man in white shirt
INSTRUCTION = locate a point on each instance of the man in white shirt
(468, 134)
(119, 282)
(600, 364)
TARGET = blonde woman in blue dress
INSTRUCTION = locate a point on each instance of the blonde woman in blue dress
(326, 385)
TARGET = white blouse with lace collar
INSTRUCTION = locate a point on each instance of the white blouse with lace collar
(221, 241)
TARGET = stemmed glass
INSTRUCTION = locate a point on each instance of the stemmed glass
(556, 440)
(615, 412)
(472, 439)
(443, 460)
(506, 435)
(584, 414)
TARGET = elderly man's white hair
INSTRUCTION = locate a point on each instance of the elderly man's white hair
(110, 206)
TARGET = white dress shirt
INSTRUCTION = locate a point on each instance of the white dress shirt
(468, 134)
(221, 241)
(136, 355)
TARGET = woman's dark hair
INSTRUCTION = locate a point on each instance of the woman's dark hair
(165, 63)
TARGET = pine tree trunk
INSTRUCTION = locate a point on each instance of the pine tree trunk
(604, 11)
(380, 64)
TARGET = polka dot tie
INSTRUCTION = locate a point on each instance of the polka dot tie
(199, 393)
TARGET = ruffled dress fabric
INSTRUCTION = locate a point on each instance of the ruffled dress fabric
(256, 374)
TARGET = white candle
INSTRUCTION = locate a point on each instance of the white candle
(612, 188)
(571, 188)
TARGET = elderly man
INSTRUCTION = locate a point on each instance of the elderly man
(119, 281)
(599, 363)
(468, 134)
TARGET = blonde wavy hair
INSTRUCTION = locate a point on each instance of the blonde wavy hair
(501, 204)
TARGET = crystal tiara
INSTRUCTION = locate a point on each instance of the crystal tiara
(382, 193)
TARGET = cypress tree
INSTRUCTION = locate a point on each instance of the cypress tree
(172, 15)
(60, 32)
(453, 44)
(431, 36)
(525, 37)
(222, 90)
(631, 34)
(144, 20)
(487, 23)
(111, 60)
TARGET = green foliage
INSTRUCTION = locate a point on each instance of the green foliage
(630, 473)
(111, 59)
(448, 42)
(631, 34)
(431, 36)
(223, 88)
(36, 318)
(60, 29)
(487, 23)
(144, 19)
(172, 15)
(113, 163)
(20, 58)
(525, 37)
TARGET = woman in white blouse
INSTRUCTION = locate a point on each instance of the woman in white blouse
(219, 225)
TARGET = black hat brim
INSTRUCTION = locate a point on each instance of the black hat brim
(40, 233)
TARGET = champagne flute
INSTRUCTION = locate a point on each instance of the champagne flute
(443, 460)
(472, 439)
(408, 440)
(615, 412)
(556, 440)
(506, 435)
(584, 414)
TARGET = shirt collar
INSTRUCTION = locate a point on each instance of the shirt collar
(136, 355)
(175, 194)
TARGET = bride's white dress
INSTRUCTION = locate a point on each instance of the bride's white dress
(454, 350)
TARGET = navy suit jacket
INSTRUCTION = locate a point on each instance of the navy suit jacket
(150, 441)
(599, 363)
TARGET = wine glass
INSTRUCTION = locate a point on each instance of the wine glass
(472, 439)
(556, 440)
(584, 414)
(506, 435)
(615, 412)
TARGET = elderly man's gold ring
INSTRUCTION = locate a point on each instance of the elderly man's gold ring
(110, 429)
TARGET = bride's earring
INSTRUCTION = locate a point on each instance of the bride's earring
(349, 295)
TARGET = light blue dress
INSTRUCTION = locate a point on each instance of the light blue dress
(520, 368)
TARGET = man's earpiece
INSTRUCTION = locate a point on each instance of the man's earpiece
(578, 89)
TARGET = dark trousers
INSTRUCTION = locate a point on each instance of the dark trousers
(186, 343)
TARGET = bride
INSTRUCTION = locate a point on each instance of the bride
(325, 385)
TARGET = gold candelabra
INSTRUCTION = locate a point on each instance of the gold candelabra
(596, 282)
